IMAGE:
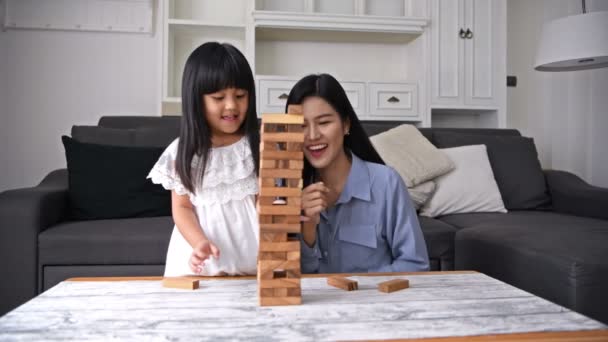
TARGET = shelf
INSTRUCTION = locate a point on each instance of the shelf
(335, 22)
(201, 23)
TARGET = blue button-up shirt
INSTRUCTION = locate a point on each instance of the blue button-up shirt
(373, 227)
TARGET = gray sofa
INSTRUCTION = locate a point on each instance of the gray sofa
(559, 253)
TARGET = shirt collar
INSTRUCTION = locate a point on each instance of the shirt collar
(358, 184)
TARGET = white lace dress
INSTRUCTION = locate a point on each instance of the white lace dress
(225, 206)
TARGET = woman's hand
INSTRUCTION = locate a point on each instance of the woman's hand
(314, 201)
(201, 252)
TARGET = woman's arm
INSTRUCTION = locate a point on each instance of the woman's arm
(314, 201)
(188, 225)
(403, 230)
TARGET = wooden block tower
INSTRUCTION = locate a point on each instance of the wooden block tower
(281, 158)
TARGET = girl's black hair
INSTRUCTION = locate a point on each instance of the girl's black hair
(210, 68)
(329, 89)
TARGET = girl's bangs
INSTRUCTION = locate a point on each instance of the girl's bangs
(227, 71)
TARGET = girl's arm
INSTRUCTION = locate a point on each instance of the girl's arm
(188, 225)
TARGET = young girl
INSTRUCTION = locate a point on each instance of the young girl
(211, 169)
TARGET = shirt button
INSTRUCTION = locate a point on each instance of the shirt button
(325, 254)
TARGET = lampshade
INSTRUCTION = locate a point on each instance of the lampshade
(576, 42)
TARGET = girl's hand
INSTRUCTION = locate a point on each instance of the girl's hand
(201, 252)
(314, 201)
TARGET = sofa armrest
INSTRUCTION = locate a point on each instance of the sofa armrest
(572, 195)
(24, 213)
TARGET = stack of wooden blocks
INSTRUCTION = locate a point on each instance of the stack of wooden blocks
(281, 158)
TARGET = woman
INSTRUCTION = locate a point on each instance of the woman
(357, 213)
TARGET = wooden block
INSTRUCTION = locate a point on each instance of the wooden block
(273, 237)
(343, 283)
(289, 246)
(294, 255)
(294, 109)
(283, 137)
(295, 273)
(275, 301)
(283, 155)
(282, 282)
(294, 201)
(295, 128)
(267, 182)
(280, 192)
(266, 293)
(265, 218)
(296, 164)
(279, 210)
(280, 227)
(267, 265)
(393, 285)
(280, 292)
(295, 183)
(267, 147)
(180, 283)
(287, 119)
(272, 256)
(294, 292)
(281, 173)
(268, 164)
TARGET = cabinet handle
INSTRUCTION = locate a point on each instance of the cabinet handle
(283, 96)
(462, 33)
(392, 99)
(469, 34)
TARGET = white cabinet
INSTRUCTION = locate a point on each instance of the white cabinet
(468, 68)
(393, 100)
(360, 42)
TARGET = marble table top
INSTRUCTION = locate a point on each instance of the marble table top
(435, 305)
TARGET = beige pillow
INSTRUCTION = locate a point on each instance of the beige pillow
(414, 157)
(470, 188)
(421, 193)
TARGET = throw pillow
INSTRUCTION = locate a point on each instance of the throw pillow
(414, 157)
(421, 193)
(515, 164)
(110, 181)
(141, 136)
(469, 188)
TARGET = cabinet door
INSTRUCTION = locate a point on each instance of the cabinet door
(273, 95)
(447, 68)
(479, 53)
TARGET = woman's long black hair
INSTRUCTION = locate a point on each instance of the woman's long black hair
(210, 68)
(329, 89)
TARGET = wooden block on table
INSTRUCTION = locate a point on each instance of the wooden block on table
(393, 285)
(180, 283)
(274, 301)
(343, 283)
(281, 282)
(266, 293)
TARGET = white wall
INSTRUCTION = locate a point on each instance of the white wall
(51, 80)
(567, 112)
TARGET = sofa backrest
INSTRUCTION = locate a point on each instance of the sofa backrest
(161, 130)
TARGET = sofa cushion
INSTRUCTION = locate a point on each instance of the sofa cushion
(515, 165)
(556, 256)
(439, 238)
(110, 182)
(411, 154)
(137, 137)
(106, 242)
(456, 193)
